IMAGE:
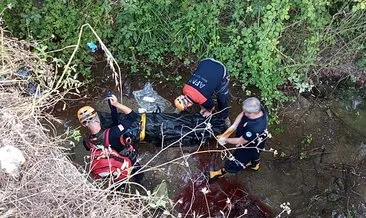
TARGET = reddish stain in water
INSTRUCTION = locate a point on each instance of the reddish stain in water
(223, 195)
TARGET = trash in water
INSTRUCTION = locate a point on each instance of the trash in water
(126, 87)
(32, 89)
(142, 110)
(356, 102)
(23, 72)
(150, 100)
(160, 197)
(11, 158)
(92, 46)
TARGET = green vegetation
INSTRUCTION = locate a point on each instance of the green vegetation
(266, 44)
(305, 143)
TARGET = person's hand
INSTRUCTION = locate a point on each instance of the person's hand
(113, 100)
(205, 113)
(202, 111)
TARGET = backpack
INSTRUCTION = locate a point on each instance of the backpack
(105, 162)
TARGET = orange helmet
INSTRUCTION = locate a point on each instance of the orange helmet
(86, 113)
(182, 102)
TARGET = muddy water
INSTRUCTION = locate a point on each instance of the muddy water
(222, 196)
(321, 176)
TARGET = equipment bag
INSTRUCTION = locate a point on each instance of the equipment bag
(107, 163)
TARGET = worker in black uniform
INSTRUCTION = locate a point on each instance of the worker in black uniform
(209, 78)
(251, 133)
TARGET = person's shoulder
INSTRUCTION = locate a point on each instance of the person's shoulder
(259, 124)
(117, 129)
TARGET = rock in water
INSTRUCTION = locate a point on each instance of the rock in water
(127, 88)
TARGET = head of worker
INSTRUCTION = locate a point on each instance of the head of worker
(88, 117)
(183, 102)
(252, 106)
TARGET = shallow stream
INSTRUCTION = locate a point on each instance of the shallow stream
(319, 169)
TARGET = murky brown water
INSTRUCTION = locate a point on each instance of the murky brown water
(302, 174)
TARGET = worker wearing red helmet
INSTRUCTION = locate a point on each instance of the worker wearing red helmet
(209, 78)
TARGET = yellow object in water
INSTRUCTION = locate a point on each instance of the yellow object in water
(142, 126)
(215, 174)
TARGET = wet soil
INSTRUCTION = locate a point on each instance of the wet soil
(320, 167)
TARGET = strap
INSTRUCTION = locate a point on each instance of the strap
(89, 144)
(122, 141)
(106, 138)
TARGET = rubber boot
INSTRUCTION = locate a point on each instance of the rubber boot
(216, 174)
(255, 167)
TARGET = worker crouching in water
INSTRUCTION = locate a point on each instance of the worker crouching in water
(209, 78)
(251, 134)
(112, 154)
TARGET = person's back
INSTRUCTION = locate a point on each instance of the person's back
(207, 77)
(210, 78)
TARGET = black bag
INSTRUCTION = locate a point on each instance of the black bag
(180, 129)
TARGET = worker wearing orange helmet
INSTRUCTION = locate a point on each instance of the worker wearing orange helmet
(115, 137)
(209, 78)
(118, 137)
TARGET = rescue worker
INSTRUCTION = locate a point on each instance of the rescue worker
(251, 133)
(116, 136)
(209, 78)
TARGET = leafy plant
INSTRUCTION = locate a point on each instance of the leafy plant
(267, 44)
(307, 140)
(55, 24)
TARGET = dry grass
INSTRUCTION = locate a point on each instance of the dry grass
(50, 185)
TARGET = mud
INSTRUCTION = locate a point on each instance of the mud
(320, 166)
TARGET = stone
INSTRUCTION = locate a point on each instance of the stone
(361, 151)
(336, 214)
(304, 103)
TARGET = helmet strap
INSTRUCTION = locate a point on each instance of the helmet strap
(93, 120)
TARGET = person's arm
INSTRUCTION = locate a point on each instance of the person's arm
(236, 141)
(205, 112)
(208, 105)
(237, 121)
(232, 128)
